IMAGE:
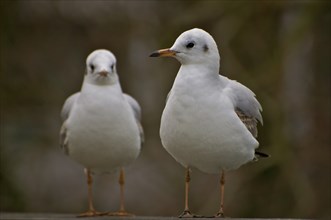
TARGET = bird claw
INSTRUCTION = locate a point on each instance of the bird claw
(219, 215)
(90, 213)
(120, 213)
(188, 214)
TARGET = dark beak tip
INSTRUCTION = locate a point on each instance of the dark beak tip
(154, 54)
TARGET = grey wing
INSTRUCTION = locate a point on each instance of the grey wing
(169, 93)
(68, 105)
(249, 122)
(64, 115)
(246, 105)
(137, 113)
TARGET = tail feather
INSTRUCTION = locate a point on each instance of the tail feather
(261, 154)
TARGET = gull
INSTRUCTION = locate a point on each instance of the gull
(101, 125)
(209, 121)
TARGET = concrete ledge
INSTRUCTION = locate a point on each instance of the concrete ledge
(50, 216)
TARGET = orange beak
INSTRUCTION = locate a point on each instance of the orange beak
(164, 53)
(103, 73)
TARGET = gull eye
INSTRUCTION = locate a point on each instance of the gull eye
(112, 67)
(190, 45)
(92, 67)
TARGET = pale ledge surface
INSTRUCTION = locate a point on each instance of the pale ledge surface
(51, 216)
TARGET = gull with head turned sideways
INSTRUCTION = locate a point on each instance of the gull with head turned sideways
(209, 121)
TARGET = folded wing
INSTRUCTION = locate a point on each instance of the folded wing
(137, 113)
(66, 109)
(246, 105)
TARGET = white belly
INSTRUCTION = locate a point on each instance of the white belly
(205, 135)
(103, 134)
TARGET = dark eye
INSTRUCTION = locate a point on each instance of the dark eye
(92, 67)
(112, 67)
(190, 45)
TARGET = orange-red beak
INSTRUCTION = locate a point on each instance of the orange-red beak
(164, 53)
(103, 73)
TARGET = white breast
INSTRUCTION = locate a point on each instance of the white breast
(199, 127)
(102, 131)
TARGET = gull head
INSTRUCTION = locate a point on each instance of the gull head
(194, 46)
(101, 67)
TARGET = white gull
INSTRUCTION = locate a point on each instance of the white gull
(101, 125)
(209, 121)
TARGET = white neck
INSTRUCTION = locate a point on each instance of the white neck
(102, 87)
(101, 81)
(193, 78)
(200, 71)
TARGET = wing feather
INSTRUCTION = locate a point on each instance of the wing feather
(68, 106)
(66, 109)
(245, 104)
(137, 113)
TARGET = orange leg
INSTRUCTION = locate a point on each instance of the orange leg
(187, 213)
(222, 183)
(91, 211)
(121, 211)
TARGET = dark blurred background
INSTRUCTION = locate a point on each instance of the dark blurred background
(279, 49)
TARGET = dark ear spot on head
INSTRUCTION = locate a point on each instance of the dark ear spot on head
(205, 48)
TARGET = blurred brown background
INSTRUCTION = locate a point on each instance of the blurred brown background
(279, 49)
